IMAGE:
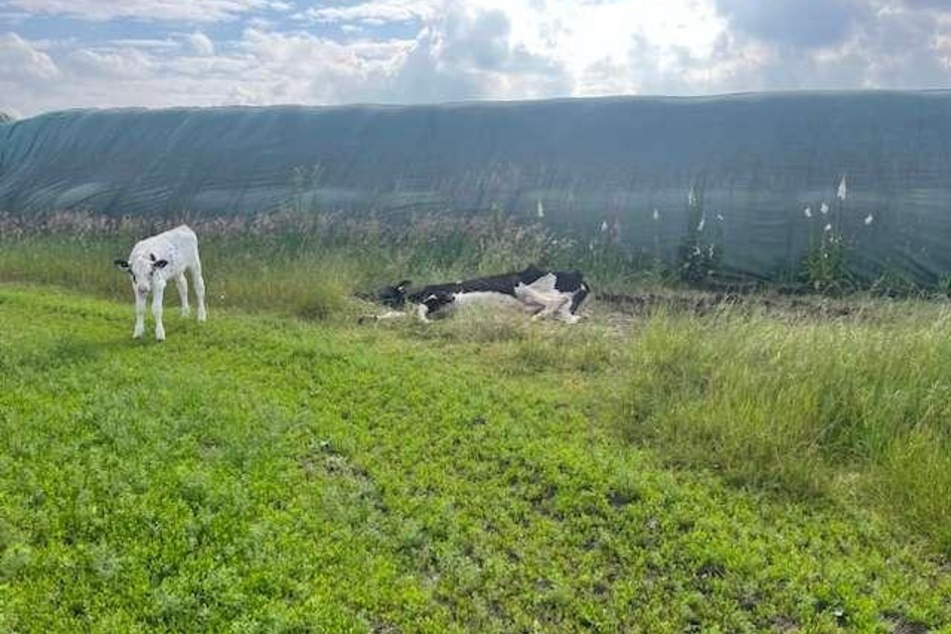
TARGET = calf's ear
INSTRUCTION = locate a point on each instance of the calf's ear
(160, 264)
(122, 265)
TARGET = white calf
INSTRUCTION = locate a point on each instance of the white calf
(155, 261)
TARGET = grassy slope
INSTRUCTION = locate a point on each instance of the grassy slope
(262, 474)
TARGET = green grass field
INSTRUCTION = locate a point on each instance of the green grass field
(733, 472)
(775, 464)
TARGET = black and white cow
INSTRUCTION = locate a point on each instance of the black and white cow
(542, 293)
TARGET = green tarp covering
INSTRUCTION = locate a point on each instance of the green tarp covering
(757, 161)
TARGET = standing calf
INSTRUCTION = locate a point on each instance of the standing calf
(155, 261)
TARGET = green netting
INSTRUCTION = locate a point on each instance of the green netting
(757, 161)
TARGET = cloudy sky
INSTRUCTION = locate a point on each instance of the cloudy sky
(57, 54)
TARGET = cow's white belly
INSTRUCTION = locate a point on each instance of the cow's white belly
(487, 300)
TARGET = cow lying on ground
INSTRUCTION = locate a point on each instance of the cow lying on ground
(542, 293)
(154, 262)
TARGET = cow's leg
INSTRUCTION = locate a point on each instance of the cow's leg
(158, 294)
(569, 312)
(532, 307)
(182, 285)
(139, 329)
(552, 306)
(421, 311)
(550, 302)
(564, 313)
(199, 282)
(390, 314)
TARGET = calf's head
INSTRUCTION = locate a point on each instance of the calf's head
(141, 269)
(394, 296)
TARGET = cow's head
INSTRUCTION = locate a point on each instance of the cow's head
(141, 269)
(439, 299)
(394, 296)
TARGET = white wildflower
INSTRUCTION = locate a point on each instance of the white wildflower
(692, 197)
(656, 214)
(540, 209)
(807, 212)
(843, 190)
(827, 228)
(869, 219)
(719, 217)
(703, 221)
(824, 208)
(604, 226)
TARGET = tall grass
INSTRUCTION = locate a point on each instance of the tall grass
(303, 263)
(809, 408)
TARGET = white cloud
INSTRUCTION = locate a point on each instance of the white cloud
(934, 5)
(148, 44)
(798, 24)
(471, 53)
(127, 63)
(887, 45)
(156, 10)
(450, 50)
(200, 43)
(22, 61)
(300, 67)
(377, 12)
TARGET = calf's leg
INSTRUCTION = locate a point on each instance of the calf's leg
(139, 329)
(199, 283)
(158, 294)
(182, 285)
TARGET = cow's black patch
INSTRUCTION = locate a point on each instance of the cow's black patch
(569, 281)
(578, 298)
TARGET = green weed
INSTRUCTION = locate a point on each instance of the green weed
(803, 407)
